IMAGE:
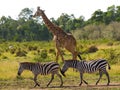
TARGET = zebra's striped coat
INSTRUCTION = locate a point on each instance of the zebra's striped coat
(43, 69)
(87, 67)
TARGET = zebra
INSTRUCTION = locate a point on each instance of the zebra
(43, 69)
(87, 67)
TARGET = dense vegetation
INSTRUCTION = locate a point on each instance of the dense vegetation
(101, 25)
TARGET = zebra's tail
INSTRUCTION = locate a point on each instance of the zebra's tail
(109, 66)
(62, 73)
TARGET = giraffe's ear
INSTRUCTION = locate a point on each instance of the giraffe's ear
(38, 8)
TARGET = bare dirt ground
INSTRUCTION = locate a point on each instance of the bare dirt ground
(112, 86)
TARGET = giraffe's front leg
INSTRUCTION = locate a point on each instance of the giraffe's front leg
(57, 55)
(58, 51)
(74, 54)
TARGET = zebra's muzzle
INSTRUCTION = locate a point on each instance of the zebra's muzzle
(18, 74)
(63, 73)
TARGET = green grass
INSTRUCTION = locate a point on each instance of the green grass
(9, 63)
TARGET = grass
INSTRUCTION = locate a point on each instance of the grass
(9, 63)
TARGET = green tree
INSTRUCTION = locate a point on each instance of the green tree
(62, 20)
(109, 16)
(97, 17)
(25, 13)
(118, 13)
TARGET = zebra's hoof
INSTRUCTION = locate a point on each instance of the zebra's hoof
(80, 84)
(61, 85)
(47, 85)
(36, 85)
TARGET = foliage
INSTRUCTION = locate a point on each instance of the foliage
(94, 32)
(25, 28)
(21, 53)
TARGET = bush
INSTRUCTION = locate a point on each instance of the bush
(21, 53)
(52, 51)
(110, 44)
(41, 56)
(30, 48)
(37, 58)
(92, 49)
(4, 57)
(112, 55)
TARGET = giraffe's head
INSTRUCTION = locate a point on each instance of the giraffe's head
(39, 12)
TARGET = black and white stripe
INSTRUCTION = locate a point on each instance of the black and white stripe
(87, 67)
(43, 69)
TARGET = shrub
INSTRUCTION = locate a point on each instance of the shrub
(21, 53)
(30, 48)
(110, 44)
(52, 51)
(37, 58)
(112, 56)
(4, 57)
(42, 56)
(92, 49)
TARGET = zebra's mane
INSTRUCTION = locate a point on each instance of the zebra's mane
(87, 61)
(70, 60)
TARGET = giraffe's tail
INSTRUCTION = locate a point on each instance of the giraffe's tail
(79, 57)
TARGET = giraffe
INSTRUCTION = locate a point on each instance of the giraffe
(61, 38)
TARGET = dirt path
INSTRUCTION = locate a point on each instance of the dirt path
(28, 86)
(89, 87)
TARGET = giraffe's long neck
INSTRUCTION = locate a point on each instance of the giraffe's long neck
(49, 24)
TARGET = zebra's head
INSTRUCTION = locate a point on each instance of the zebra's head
(69, 64)
(64, 68)
(20, 69)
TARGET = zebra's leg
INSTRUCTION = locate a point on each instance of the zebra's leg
(52, 77)
(107, 77)
(100, 73)
(81, 78)
(85, 82)
(60, 79)
(35, 80)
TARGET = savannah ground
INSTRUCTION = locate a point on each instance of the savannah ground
(45, 52)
